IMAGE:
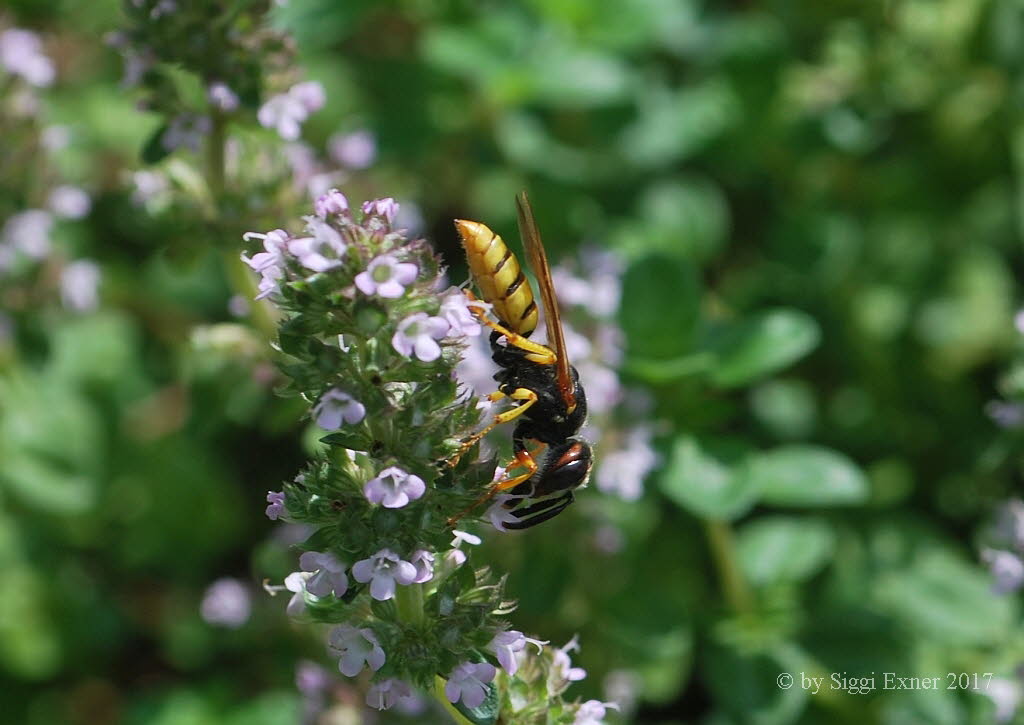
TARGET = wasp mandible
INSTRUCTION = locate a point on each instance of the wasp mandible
(551, 406)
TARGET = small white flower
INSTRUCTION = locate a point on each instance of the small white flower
(455, 311)
(29, 232)
(455, 557)
(383, 570)
(322, 251)
(296, 583)
(355, 649)
(593, 712)
(69, 202)
(394, 488)
(1007, 569)
(623, 471)
(385, 694)
(386, 277)
(79, 285)
(335, 407)
(222, 97)
(286, 112)
(468, 682)
(423, 560)
(499, 514)
(21, 54)
(328, 574)
(226, 603)
(417, 336)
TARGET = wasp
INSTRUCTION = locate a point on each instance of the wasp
(550, 405)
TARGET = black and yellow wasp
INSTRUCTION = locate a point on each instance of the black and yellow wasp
(551, 405)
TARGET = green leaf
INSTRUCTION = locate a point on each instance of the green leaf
(154, 151)
(710, 478)
(751, 349)
(746, 683)
(357, 439)
(805, 475)
(660, 301)
(784, 548)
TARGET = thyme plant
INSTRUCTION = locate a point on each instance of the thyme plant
(370, 337)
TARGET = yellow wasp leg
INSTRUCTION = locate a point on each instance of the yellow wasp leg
(523, 394)
(535, 351)
(522, 459)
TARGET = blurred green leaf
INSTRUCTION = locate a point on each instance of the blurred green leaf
(660, 299)
(746, 683)
(784, 548)
(804, 475)
(710, 478)
(751, 349)
(154, 151)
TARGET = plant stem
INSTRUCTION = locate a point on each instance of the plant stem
(448, 707)
(723, 549)
(215, 157)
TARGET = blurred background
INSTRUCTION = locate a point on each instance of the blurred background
(788, 238)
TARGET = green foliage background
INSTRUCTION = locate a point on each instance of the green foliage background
(820, 208)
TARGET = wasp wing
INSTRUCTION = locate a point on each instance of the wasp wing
(553, 319)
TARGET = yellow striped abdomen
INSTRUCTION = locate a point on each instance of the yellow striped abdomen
(498, 276)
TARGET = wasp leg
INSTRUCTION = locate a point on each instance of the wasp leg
(524, 459)
(528, 398)
(535, 351)
(540, 512)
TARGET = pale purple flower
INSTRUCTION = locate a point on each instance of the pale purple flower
(601, 292)
(455, 311)
(385, 694)
(336, 407)
(287, 111)
(505, 645)
(383, 570)
(226, 603)
(69, 202)
(562, 672)
(593, 712)
(186, 130)
(311, 679)
(386, 277)
(296, 584)
(475, 369)
(423, 560)
(417, 336)
(1007, 569)
(623, 471)
(333, 202)
(79, 285)
(408, 218)
(328, 574)
(1005, 414)
(394, 488)
(468, 682)
(29, 232)
(386, 208)
(322, 251)
(276, 508)
(356, 150)
(238, 306)
(222, 97)
(21, 54)
(355, 649)
(275, 244)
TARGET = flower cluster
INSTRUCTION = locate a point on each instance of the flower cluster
(372, 340)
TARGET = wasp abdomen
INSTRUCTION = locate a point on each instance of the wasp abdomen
(499, 277)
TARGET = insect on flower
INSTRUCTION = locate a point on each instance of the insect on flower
(551, 405)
